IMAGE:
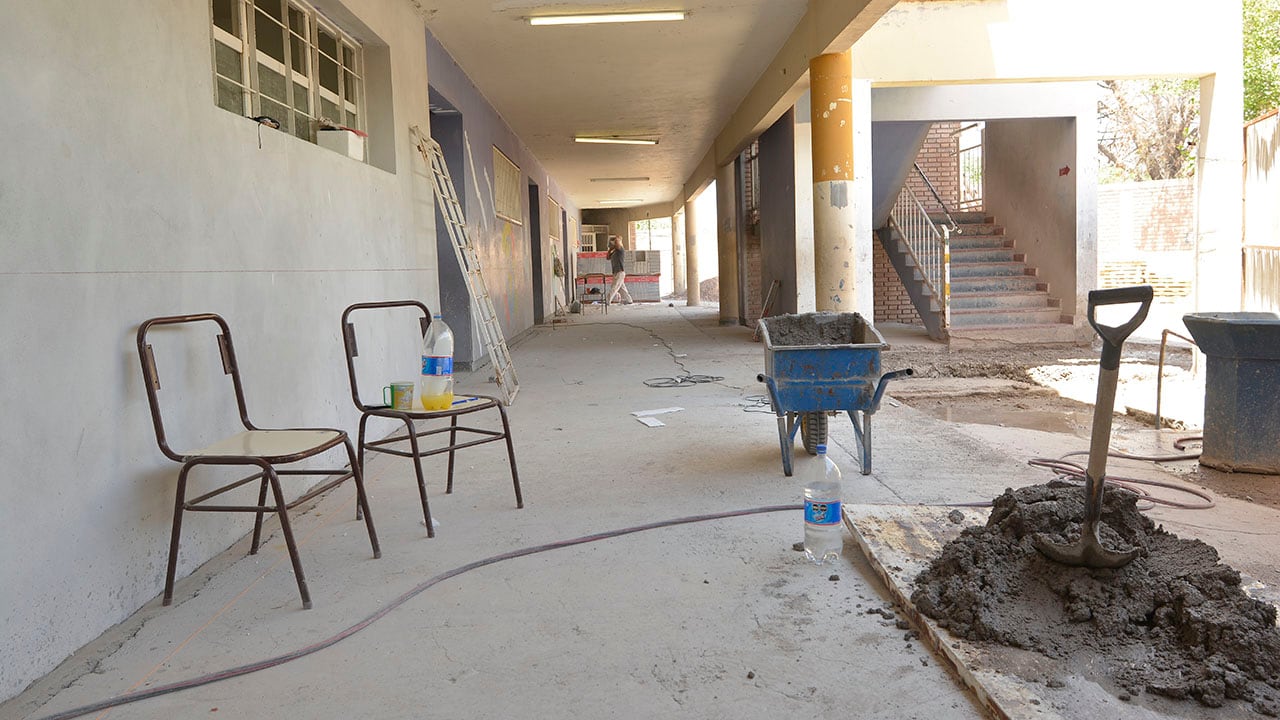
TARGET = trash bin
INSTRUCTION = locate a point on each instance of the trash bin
(1242, 389)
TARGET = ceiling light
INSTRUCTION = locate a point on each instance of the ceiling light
(633, 201)
(616, 140)
(621, 179)
(608, 18)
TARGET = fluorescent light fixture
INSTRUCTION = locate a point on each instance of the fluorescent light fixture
(615, 140)
(605, 18)
(622, 179)
(633, 201)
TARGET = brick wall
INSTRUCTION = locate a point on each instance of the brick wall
(755, 293)
(938, 160)
(1135, 218)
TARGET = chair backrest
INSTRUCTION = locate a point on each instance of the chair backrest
(151, 378)
(349, 337)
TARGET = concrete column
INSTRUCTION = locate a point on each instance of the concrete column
(677, 253)
(727, 224)
(694, 298)
(1219, 189)
(834, 210)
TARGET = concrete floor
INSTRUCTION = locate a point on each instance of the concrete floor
(716, 619)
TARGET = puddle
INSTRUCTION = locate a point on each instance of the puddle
(1069, 422)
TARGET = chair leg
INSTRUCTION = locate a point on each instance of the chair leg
(362, 499)
(364, 421)
(453, 440)
(288, 537)
(257, 521)
(422, 483)
(179, 504)
(511, 455)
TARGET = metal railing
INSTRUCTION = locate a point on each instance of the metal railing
(969, 160)
(928, 245)
(1261, 278)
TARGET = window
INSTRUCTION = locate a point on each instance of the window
(553, 227)
(506, 188)
(282, 59)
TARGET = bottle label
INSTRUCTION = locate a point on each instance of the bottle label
(817, 512)
(435, 365)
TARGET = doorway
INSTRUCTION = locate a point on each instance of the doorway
(535, 254)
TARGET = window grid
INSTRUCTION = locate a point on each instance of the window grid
(506, 188)
(553, 227)
(268, 60)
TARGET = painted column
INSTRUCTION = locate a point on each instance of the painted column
(694, 297)
(677, 253)
(834, 209)
(727, 225)
(1219, 189)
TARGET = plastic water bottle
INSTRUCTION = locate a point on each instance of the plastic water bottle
(822, 537)
(435, 387)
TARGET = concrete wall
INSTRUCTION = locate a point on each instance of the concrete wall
(1029, 189)
(778, 212)
(504, 248)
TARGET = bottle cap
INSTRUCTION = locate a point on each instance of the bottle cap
(822, 448)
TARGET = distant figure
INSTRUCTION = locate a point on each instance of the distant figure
(619, 273)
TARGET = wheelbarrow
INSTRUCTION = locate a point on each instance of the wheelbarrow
(818, 364)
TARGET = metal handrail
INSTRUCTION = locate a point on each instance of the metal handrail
(928, 246)
(953, 226)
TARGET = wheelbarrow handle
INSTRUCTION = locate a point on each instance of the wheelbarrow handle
(884, 380)
(1113, 337)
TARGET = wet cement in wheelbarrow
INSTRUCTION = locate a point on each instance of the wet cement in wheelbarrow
(1174, 622)
(817, 329)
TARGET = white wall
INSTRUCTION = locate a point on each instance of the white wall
(126, 193)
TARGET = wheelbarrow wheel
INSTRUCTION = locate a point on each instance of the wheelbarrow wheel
(813, 428)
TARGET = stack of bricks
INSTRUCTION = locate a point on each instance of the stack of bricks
(754, 291)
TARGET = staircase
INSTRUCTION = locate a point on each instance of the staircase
(995, 295)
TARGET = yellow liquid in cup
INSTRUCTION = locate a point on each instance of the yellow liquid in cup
(437, 402)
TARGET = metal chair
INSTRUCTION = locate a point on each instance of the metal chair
(463, 405)
(254, 447)
(599, 299)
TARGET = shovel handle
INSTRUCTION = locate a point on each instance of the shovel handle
(1113, 337)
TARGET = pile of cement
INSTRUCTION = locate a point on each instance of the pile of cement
(1174, 622)
(817, 329)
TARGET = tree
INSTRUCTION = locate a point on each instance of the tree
(1147, 129)
(1261, 56)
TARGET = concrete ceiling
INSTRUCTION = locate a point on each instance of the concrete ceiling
(676, 81)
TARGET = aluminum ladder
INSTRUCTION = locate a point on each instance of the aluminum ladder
(504, 372)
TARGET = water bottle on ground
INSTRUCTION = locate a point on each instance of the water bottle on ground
(822, 535)
(435, 387)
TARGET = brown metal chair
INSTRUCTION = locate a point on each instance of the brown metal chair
(255, 447)
(463, 405)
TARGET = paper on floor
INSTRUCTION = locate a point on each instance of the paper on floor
(651, 422)
(659, 411)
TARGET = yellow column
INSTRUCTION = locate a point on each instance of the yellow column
(727, 223)
(694, 298)
(834, 212)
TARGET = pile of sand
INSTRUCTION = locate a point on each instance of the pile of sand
(1174, 622)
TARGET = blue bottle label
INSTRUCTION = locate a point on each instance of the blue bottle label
(817, 512)
(433, 365)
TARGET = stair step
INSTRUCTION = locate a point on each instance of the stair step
(1020, 334)
(967, 242)
(983, 255)
(995, 284)
(962, 216)
(992, 300)
(983, 317)
(981, 229)
(990, 269)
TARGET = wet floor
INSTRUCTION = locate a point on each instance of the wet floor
(965, 410)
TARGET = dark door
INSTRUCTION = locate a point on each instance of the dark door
(535, 254)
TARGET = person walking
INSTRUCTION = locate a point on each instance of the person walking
(615, 256)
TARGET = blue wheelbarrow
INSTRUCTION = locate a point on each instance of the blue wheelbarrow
(819, 364)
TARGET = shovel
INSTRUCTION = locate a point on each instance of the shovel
(1089, 551)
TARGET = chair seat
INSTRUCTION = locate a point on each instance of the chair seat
(461, 404)
(270, 444)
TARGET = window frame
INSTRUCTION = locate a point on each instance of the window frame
(350, 101)
(506, 201)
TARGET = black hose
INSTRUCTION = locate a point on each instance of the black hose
(401, 600)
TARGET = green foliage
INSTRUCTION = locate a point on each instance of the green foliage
(1261, 56)
(1148, 129)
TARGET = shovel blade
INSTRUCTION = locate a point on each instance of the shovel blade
(1088, 552)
